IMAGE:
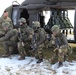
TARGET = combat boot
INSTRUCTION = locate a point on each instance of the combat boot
(60, 64)
(22, 57)
(64, 57)
(36, 57)
(39, 61)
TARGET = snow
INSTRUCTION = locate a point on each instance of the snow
(13, 66)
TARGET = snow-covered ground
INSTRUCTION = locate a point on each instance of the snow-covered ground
(13, 66)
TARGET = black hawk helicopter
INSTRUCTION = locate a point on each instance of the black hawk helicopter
(37, 10)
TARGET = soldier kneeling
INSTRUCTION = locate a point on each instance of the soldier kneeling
(9, 40)
(61, 45)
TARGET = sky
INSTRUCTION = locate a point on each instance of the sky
(6, 3)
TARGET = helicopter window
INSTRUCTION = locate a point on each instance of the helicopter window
(14, 16)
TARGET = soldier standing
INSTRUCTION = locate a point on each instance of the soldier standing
(9, 40)
(61, 45)
(25, 36)
(40, 38)
(3, 19)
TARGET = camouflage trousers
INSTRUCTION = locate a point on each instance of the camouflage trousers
(60, 54)
(24, 50)
(46, 43)
(49, 44)
(10, 47)
(39, 52)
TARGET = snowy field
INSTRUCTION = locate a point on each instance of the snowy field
(13, 66)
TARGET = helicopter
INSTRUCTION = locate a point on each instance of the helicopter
(37, 10)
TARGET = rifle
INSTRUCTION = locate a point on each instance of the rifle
(20, 37)
(34, 46)
(57, 44)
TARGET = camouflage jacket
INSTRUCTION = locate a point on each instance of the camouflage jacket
(61, 39)
(63, 43)
(40, 36)
(2, 20)
(26, 31)
(10, 36)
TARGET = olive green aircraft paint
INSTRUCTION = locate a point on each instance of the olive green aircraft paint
(32, 10)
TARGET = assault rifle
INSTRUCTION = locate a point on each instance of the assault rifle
(34, 46)
(57, 44)
(20, 37)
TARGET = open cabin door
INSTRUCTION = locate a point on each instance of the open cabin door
(60, 17)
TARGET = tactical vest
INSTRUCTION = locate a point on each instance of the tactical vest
(61, 42)
(38, 34)
(59, 37)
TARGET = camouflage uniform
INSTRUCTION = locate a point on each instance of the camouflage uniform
(40, 38)
(2, 20)
(61, 45)
(25, 41)
(47, 41)
(9, 40)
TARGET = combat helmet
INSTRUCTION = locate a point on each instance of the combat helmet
(55, 28)
(36, 25)
(23, 20)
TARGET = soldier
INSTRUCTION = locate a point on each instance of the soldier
(9, 40)
(3, 19)
(61, 45)
(25, 36)
(40, 38)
